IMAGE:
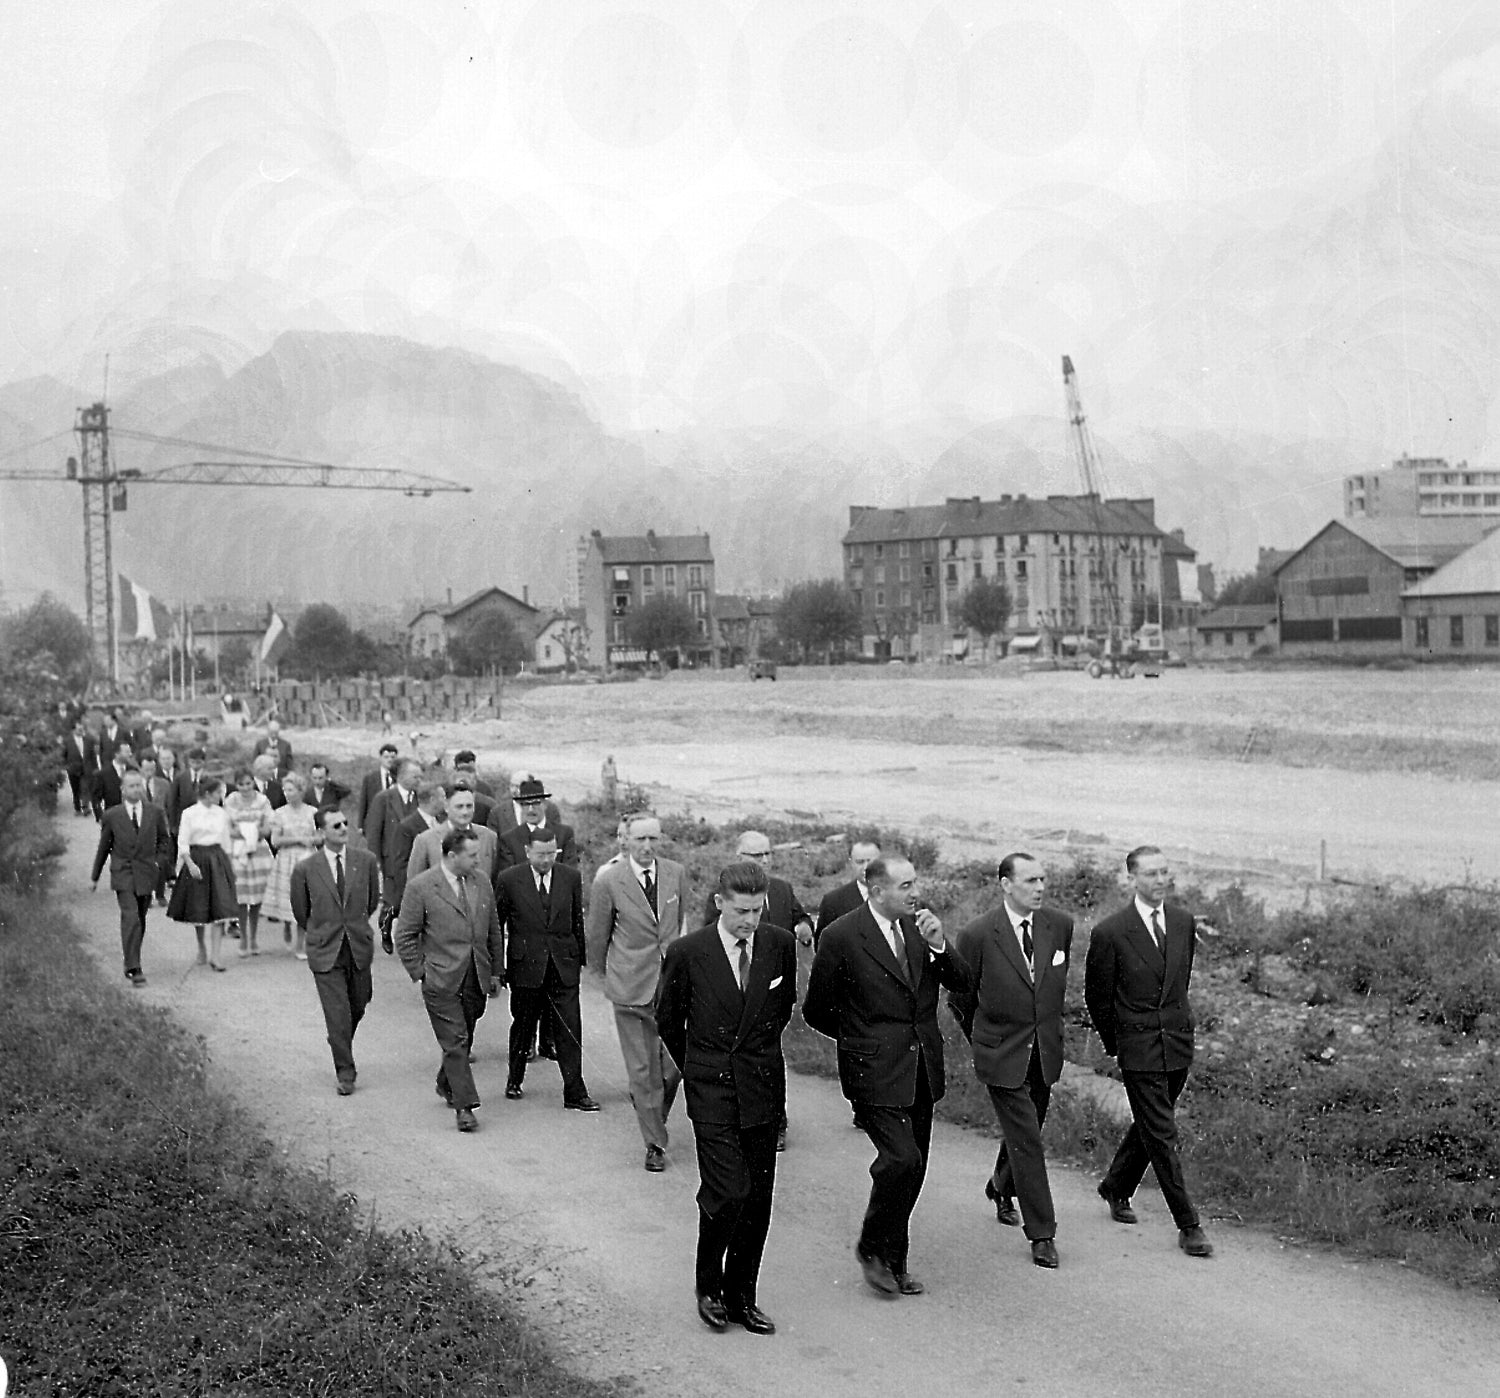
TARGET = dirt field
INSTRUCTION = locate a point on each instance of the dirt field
(1052, 761)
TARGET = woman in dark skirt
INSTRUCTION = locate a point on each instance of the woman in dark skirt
(204, 892)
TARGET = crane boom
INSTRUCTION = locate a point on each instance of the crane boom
(104, 481)
(1105, 610)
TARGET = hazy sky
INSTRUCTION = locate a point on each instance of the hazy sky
(1275, 217)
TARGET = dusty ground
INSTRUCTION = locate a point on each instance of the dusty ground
(600, 1252)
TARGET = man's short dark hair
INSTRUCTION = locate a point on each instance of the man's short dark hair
(743, 876)
(389, 747)
(197, 755)
(456, 839)
(313, 767)
(1008, 864)
(1137, 854)
(540, 835)
(322, 814)
(464, 758)
(879, 870)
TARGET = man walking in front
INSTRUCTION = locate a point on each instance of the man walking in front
(874, 988)
(639, 906)
(335, 893)
(1012, 1016)
(727, 993)
(1136, 976)
(134, 837)
(449, 940)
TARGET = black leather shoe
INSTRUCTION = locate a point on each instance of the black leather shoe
(656, 1159)
(387, 943)
(1119, 1209)
(712, 1313)
(1005, 1206)
(1044, 1252)
(1192, 1242)
(466, 1120)
(755, 1320)
(346, 1087)
(907, 1284)
(136, 979)
(581, 1104)
(877, 1273)
(513, 1091)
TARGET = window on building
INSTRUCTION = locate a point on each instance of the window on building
(906, 572)
(1023, 543)
(879, 597)
(1421, 640)
(1000, 544)
(952, 548)
(622, 577)
(1057, 541)
(880, 573)
(1456, 631)
(929, 572)
(622, 602)
(1020, 567)
(978, 568)
(856, 577)
(698, 601)
(904, 549)
(695, 575)
(1492, 630)
(617, 632)
(906, 596)
(703, 626)
(669, 577)
(856, 553)
(929, 548)
(879, 550)
(952, 573)
(648, 577)
(858, 595)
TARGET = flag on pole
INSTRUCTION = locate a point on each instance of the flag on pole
(275, 630)
(141, 616)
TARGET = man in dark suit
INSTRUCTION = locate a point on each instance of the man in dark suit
(323, 793)
(111, 735)
(185, 786)
(263, 772)
(450, 942)
(540, 903)
(1136, 976)
(727, 993)
(277, 747)
(533, 801)
(465, 762)
(393, 805)
(430, 807)
(381, 779)
(133, 836)
(874, 988)
(506, 815)
(847, 896)
(112, 774)
(80, 756)
(484, 806)
(142, 734)
(335, 892)
(1012, 1016)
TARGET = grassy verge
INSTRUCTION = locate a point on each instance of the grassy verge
(151, 1241)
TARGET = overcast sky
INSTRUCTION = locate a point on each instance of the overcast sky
(1276, 217)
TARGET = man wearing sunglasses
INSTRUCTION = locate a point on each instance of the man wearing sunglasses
(335, 892)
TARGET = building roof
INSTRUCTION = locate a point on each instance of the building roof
(1475, 571)
(1052, 514)
(652, 547)
(728, 607)
(1413, 541)
(1238, 618)
(448, 611)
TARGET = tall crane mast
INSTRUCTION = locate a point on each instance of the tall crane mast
(105, 483)
(1102, 565)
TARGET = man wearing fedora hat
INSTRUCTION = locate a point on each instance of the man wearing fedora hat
(507, 814)
(532, 800)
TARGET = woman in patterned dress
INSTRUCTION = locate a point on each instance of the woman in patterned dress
(294, 837)
(249, 820)
(204, 891)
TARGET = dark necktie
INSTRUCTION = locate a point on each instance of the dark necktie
(1156, 932)
(338, 875)
(650, 886)
(544, 891)
(135, 820)
(1027, 946)
(742, 968)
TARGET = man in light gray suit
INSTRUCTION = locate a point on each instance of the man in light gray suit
(427, 848)
(335, 893)
(638, 906)
(449, 940)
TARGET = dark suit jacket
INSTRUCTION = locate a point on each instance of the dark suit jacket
(283, 753)
(1138, 999)
(274, 794)
(108, 785)
(728, 1044)
(331, 799)
(512, 846)
(837, 902)
(1004, 1012)
(77, 763)
(369, 789)
(502, 816)
(136, 858)
(484, 807)
(858, 996)
(400, 839)
(184, 793)
(108, 742)
(436, 936)
(533, 940)
(140, 739)
(782, 908)
(316, 907)
(385, 814)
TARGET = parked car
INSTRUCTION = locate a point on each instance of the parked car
(762, 669)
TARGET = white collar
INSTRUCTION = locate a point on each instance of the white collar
(641, 870)
(1144, 909)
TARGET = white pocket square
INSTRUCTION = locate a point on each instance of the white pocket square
(1059, 956)
(776, 982)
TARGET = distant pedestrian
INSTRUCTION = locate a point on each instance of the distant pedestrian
(133, 837)
(249, 814)
(293, 835)
(204, 893)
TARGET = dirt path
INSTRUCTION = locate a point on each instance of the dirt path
(600, 1253)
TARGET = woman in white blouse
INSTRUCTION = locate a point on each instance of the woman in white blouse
(204, 891)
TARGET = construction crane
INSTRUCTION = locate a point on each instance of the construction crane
(105, 494)
(1117, 651)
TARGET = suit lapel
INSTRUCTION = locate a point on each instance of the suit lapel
(1010, 949)
(721, 976)
(1042, 946)
(324, 875)
(1176, 947)
(877, 946)
(755, 991)
(1142, 940)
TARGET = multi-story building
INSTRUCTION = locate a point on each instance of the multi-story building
(1422, 485)
(435, 625)
(908, 569)
(618, 574)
